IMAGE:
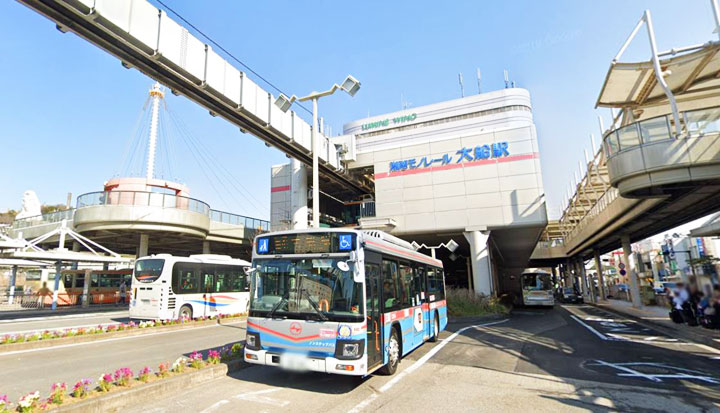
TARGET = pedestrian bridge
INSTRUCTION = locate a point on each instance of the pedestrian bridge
(659, 163)
(146, 38)
(115, 218)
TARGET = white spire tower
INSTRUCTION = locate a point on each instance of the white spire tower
(156, 94)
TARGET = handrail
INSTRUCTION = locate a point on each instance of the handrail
(658, 128)
(142, 198)
(55, 216)
(236, 219)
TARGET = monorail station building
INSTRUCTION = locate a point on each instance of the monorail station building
(466, 170)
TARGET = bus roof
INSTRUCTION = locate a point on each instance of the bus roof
(202, 258)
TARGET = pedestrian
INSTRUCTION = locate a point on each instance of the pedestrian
(43, 292)
(123, 292)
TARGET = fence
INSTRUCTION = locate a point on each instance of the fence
(27, 301)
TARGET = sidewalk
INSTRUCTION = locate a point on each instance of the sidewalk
(658, 317)
(61, 311)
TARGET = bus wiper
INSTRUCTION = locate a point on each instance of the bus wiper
(277, 306)
(314, 305)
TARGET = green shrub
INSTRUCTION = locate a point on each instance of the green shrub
(463, 302)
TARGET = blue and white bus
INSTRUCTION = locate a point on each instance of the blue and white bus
(341, 301)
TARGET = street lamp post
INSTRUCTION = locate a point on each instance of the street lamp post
(349, 85)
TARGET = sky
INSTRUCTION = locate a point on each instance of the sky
(69, 110)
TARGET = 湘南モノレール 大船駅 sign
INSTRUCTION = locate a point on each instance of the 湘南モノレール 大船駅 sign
(386, 122)
(480, 152)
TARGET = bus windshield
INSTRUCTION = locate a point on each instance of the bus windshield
(306, 288)
(536, 281)
(147, 271)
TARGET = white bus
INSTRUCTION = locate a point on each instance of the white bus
(537, 288)
(341, 301)
(167, 287)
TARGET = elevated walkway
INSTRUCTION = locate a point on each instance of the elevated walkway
(117, 217)
(659, 163)
(146, 38)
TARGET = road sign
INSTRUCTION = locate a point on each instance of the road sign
(623, 272)
(622, 265)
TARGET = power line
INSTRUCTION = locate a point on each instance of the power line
(216, 44)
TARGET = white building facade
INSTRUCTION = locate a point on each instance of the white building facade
(466, 169)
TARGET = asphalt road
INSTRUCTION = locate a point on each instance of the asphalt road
(572, 358)
(60, 322)
(29, 370)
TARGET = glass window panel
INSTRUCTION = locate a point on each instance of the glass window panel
(655, 129)
(700, 122)
(628, 136)
(612, 143)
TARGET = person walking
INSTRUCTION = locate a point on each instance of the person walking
(123, 292)
(43, 292)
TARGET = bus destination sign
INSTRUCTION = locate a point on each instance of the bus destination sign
(306, 243)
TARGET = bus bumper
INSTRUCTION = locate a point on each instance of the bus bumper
(543, 302)
(321, 365)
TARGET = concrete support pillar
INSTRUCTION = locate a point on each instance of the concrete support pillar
(601, 278)
(206, 247)
(56, 288)
(554, 275)
(13, 278)
(631, 271)
(583, 278)
(568, 274)
(480, 261)
(75, 248)
(86, 288)
(298, 195)
(142, 250)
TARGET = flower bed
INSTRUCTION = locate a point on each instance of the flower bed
(119, 379)
(102, 329)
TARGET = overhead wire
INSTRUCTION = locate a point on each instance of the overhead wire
(131, 143)
(216, 44)
(213, 162)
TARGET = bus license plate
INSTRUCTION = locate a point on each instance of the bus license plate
(295, 362)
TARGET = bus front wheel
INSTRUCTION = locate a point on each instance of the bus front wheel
(393, 354)
(185, 312)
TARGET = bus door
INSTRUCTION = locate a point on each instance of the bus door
(372, 308)
(421, 322)
(208, 283)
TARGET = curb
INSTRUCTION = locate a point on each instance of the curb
(12, 315)
(138, 395)
(685, 335)
(31, 345)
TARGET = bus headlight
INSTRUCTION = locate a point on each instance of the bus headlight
(252, 341)
(349, 349)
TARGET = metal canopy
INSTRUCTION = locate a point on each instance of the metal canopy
(65, 256)
(693, 77)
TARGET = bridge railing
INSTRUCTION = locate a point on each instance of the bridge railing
(697, 123)
(235, 219)
(142, 198)
(48, 218)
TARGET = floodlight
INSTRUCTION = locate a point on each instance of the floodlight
(350, 85)
(452, 245)
(283, 102)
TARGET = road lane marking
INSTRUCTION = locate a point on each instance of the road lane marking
(10, 353)
(597, 333)
(422, 360)
(657, 377)
(215, 406)
(257, 397)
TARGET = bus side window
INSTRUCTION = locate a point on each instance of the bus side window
(439, 284)
(185, 278)
(390, 286)
(405, 282)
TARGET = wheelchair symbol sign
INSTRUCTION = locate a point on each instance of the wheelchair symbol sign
(345, 242)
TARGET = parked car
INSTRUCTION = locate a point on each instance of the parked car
(569, 295)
